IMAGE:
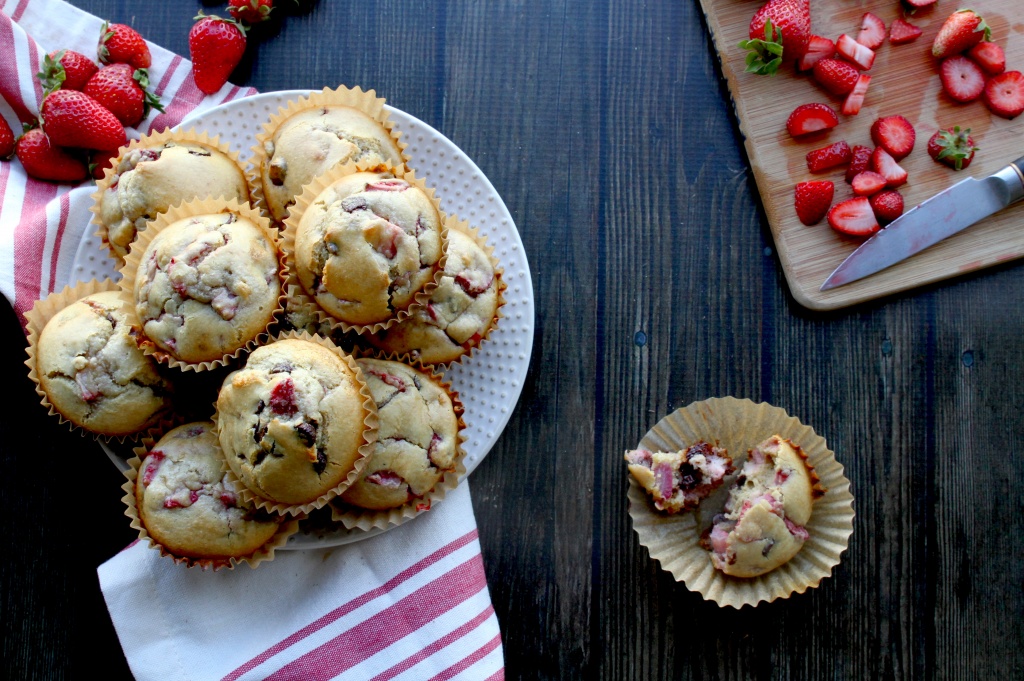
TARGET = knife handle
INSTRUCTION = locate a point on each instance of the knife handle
(1012, 179)
(1018, 166)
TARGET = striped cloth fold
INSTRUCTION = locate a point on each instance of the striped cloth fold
(411, 603)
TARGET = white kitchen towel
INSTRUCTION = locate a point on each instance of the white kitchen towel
(411, 603)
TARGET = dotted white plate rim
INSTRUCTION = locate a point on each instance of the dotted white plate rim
(490, 382)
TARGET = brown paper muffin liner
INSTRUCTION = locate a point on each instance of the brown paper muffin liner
(286, 528)
(369, 438)
(42, 312)
(365, 101)
(376, 341)
(366, 519)
(145, 238)
(674, 540)
(153, 139)
(300, 297)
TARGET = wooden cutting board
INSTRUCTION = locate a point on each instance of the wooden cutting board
(905, 80)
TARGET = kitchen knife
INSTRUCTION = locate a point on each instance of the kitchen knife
(939, 217)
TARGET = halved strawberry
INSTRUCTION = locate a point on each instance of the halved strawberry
(961, 31)
(872, 31)
(813, 117)
(885, 165)
(989, 56)
(854, 52)
(854, 100)
(1004, 94)
(868, 182)
(888, 205)
(860, 160)
(854, 217)
(812, 200)
(962, 79)
(901, 32)
(917, 4)
(836, 76)
(818, 48)
(953, 147)
(895, 134)
(831, 156)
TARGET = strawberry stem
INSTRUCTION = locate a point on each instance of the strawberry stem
(764, 56)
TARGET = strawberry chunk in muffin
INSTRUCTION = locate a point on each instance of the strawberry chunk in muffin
(677, 481)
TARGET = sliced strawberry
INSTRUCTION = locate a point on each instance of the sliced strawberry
(813, 117)
(854, 217)
(1004, 94)
(854, 100)
(854, 52)
(818, 48)
(812, 200)
(989, 56)
(860, 160)
(888, 205)
(895, 134)
(836, 76)
(868, 182)
(872, 31)
(902, 32)
(917, 4)
(962, 79)
(961, 31)
(953, 147)
(884, 164)
(829, 157)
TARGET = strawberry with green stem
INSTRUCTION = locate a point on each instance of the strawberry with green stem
(780, 29)
(953, 147)
(122, 44)
(124, 91)
(65, 69)
(43, 160)
(216, 46)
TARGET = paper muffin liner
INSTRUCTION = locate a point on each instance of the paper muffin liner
(674, 540)
(469, 348)
(366, 519)
(286, 527)
(144, 238)
(150, 140)
(365, 101)
(300, 297)
(41, 313)
(369, 439)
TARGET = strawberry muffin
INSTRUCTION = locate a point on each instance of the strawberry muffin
(417, 437)
(677, 481)
(762, 526)
(293, 422)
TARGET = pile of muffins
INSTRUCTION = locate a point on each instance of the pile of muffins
(276, 343)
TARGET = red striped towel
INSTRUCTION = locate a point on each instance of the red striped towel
(411, 603)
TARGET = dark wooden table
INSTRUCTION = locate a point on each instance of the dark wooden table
(606, 128)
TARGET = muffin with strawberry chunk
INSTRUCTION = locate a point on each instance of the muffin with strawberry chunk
(678, 481)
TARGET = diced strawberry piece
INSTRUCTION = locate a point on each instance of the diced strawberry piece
(868, 182)
(860, 160)
(836, 76)
(902, 32)
(282, 398)
(962, 79)
(386, 479)
(394, 381)
(888, 205)
(854, 217)
(474, 282)
(872, 31)
(1004, 94)
(812, 200)
(989, 56)
(389, 185)
(854, 52)
(884, 164)
(854, 100)
(917, 4)
(895, 134)
(813, 117)
(831, 156)
(153, 462)
(818, 48)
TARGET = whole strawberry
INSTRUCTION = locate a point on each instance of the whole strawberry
(779, 30)
(250, 11)
(961, 31)
(6, 139)
(216, 46)
(74, 119)
(123, 90)
(953, 147)
(121, 44)
(65, 69)
(44, 161)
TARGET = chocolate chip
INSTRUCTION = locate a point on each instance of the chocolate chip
(321, 461)
(307, 432)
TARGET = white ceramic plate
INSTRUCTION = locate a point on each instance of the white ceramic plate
(490, 382)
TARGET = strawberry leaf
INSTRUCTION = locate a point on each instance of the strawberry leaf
(764, 56)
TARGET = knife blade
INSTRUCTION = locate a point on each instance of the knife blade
(937, 218)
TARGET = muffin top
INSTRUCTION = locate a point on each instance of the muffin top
(186, 505)
(206, 286)
(149, 180)
(416, 439)
(460, 312)
(292, 421)
(93, 372)
(367, 245)
(311, 142)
